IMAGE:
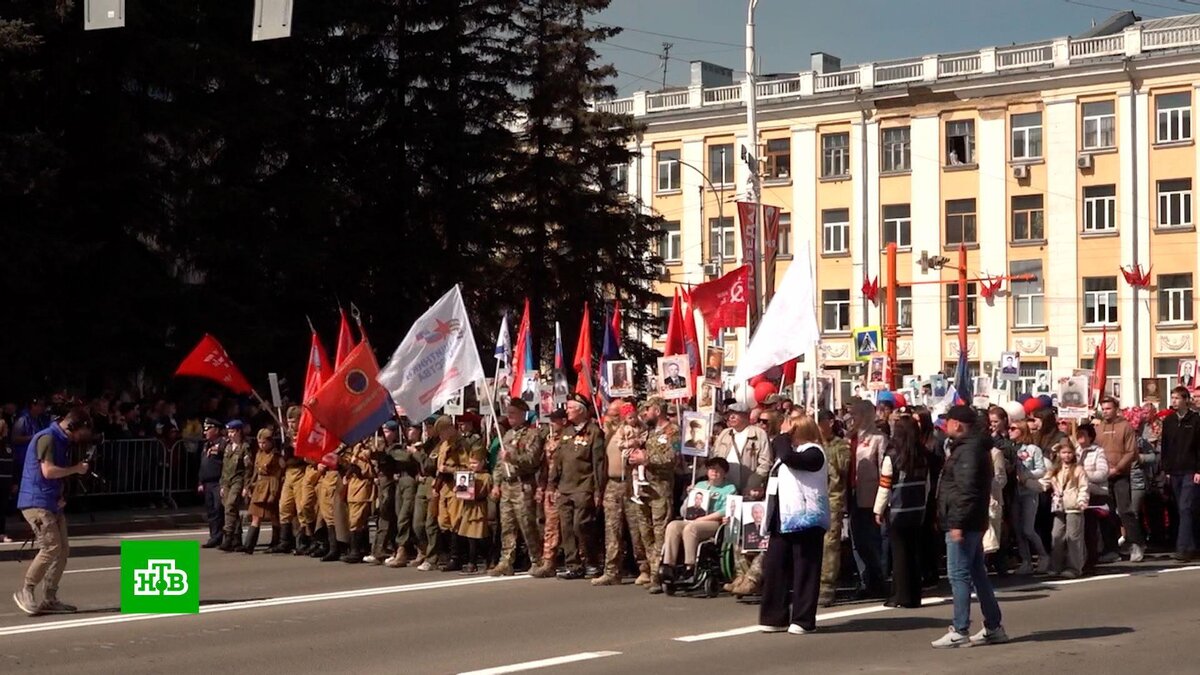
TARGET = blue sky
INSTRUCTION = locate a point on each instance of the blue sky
(858, 31)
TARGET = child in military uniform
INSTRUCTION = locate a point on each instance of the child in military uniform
(360, 496)
(264, 487)
(473, 514)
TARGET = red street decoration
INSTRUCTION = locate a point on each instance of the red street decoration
(723, 301)
(1101, 364)
(870, 289)
(770, 247)
(691, 341)
(311, 438)
(352, 404)
(748, 219)
(1135, 277)
(210, 361)
(674, 338)
(988, 287)
(583, 356)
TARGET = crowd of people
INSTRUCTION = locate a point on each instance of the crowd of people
(605, 499)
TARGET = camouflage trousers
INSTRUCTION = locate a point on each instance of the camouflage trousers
(289, 496)
(653, 514)
(518, 512)
(618, 514)
(831, 561)
(551, 537)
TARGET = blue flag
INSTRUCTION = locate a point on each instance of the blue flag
(962, 377)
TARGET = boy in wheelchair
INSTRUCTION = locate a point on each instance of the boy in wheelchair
(693, 550)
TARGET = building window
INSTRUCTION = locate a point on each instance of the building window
(668, 170)
(1174, 117)
(897, 149)
(1175, 202)
(960, 221)
(835, 310)
(1099, 301)
(897, 225)
(835, 227)
(1027, 136)
(618, 177)
(664, 318)
(952, 305)
(1175, 298)
(903, 306)
(1029, 297)
(1028, 218)
(784, 247)
(835, 155)
(1100, 208)
(960, 142)
(721, 238)
(779, 159)
(1113, 371)
(1166, 369)
(1099, 125)
(720, 164)
(669, 247)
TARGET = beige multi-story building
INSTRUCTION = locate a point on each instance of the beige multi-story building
(1067, 159)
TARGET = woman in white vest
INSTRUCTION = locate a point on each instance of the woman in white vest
(796, 520)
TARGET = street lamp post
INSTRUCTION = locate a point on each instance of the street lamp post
(751, 155)
(720, 198)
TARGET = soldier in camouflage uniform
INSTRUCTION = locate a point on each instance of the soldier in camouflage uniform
(237, 463)
(837, 456)
(515, 480)
(293, 478)
(579, 475)
(547, 500)
(662, 443)
(618, 511)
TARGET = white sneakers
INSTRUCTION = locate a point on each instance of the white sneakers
(772, 629)
(1137, 553)
(953, 638)
(796, 629)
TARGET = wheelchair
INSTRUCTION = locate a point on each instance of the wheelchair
(714, 568)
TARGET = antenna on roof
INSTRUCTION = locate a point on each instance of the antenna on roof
(666, 60)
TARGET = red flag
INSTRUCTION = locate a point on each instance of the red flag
(311, 437)
(520, 353)
(210, 361)
(583, 355)
(748, 219)
(1102, 363)
(352, 404)
(723, 301)
(674, 339)
(691, 341)
(770, 247)
(345, 341)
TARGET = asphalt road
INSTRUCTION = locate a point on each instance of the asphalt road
(273, 614)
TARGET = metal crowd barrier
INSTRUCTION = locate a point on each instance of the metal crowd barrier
(141, 468)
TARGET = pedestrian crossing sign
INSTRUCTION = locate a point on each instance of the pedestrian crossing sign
(866, 342)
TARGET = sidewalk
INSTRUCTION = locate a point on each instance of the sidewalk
(117, 521)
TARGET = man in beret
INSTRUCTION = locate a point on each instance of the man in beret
(210, 480)
(515, 480)
(964, 494)
(578, 476)
(235, 466)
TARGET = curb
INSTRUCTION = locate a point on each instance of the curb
(81, 525)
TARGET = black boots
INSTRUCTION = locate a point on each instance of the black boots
(335, 547)
(251, 540)
(284, 542)
(320, 544)
(303, 544)
(227, 541)
(358, 542)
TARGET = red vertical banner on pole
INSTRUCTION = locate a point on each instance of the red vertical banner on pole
(770, 249)
(748, 219)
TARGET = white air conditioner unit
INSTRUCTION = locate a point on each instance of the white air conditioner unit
(1084, 161)
(663, 274)
(1020, 172)
(712, 269)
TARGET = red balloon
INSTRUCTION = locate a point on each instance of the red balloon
(754, 381)
(762, 390)
(1031, 405)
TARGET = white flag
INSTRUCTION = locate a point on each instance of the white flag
(437, 358)
(788, 328)
(503, 345)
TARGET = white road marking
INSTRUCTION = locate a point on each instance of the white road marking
(92, 569)
(1084, 580)
(170, 533)
(1189, 568)
(543, 663)
(254, 604)
(828, 616)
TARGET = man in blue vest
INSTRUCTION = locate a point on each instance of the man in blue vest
(41, 502)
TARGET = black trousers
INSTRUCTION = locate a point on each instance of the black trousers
(906, 564)
(214, 510)
(792, 579)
